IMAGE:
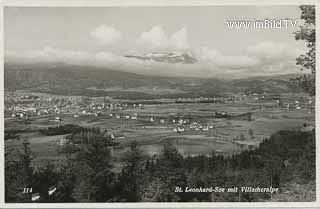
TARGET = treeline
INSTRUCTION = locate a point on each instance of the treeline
(63, 129)
(11, 134)
(91, 173)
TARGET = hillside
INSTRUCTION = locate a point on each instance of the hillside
(83, 80)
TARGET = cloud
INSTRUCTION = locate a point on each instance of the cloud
(218, 59)
(260, 59)
(53, 55)
(266, 58)
(48, 54)
(106, 35)
(273, 51)
(179, 39)
(158, 39)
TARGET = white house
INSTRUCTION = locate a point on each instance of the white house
(206, 128)
(180, 129)
(62, 141)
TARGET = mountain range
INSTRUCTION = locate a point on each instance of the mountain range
(66, 79)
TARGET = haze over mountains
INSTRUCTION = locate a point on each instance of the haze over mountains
(66, 79)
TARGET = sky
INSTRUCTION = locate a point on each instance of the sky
(102, 36)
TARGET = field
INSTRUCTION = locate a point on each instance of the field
(221, 137)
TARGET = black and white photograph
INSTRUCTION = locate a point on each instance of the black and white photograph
(158, 104)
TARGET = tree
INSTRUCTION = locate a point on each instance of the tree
(250, 132)
(131, 176)
(18, 173)
(242, 137)
(66, 182)
(170, 174)
(12, 186)
(26, 158)
(95, 178)
(307, 61)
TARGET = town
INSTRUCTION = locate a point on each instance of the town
(226, 124)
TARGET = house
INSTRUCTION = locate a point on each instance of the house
(180, 129)
(112, 136)
(119, 136)
(206, 128)
(222, 114)
(63, 141)
(152, 119)
(57, 119)
(192, 126)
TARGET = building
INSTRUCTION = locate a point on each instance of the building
(180, 129)
(63, 141)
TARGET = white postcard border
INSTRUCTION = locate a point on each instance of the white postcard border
(153, 3)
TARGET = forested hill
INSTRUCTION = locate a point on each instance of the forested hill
(285, 161)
